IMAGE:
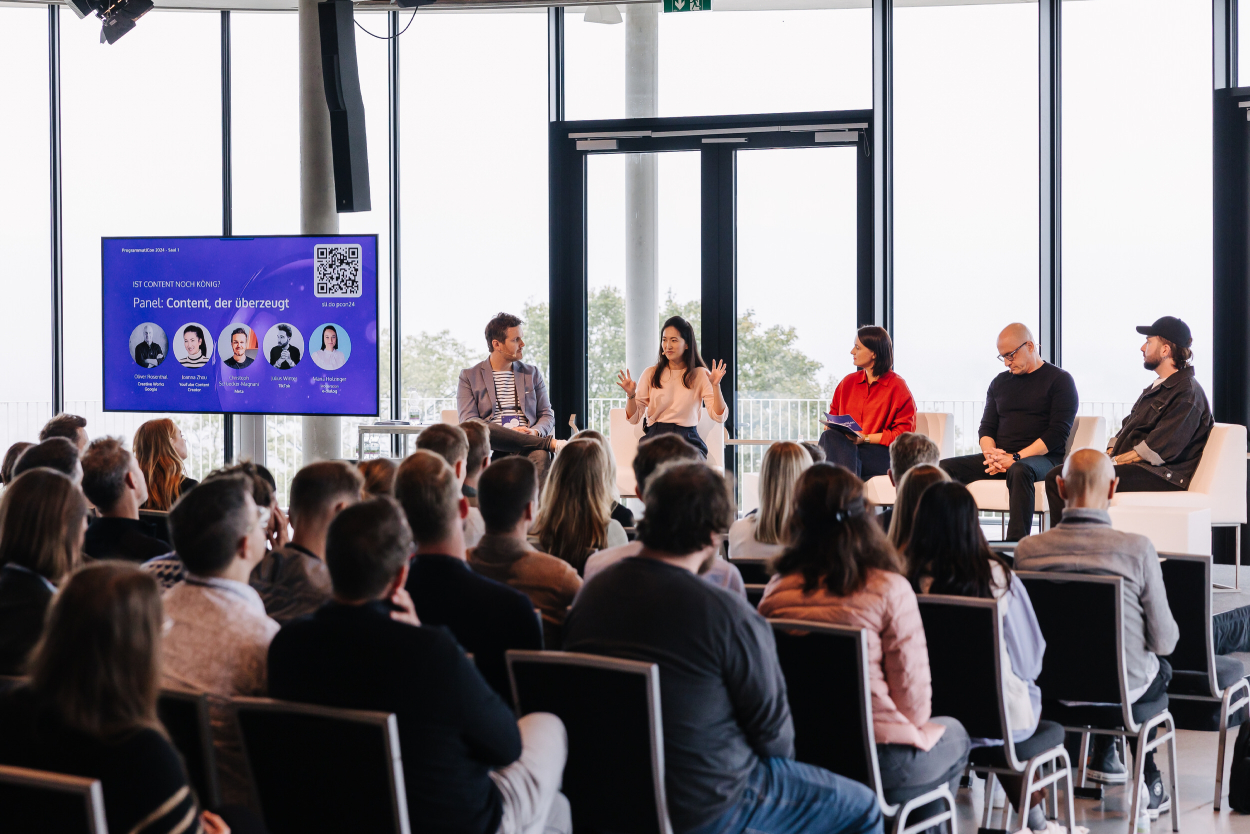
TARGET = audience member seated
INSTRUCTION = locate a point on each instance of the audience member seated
(161, 449)
(948, 554)
(841, 569)
(169, 570)
(653, 453)
(469, 764)
(452, 444)
(219, 633)
(1160, 443)
(379, 475)
(574, 514)
(508, 495)
(762, 534)
(1083, 542)
(877, 399)
(908, 449)
(42, 520)
(113, 482)
(54, 453)
(485, 616)
(728, 735)
(293, 581)
(813, 449)
(907, 498)
(620, 512)
(478, 435)
(90, 706)
(10, 460)
(70, 426)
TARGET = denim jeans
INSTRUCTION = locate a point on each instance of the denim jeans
(787, 797)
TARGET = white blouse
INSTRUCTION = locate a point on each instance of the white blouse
(673, 402)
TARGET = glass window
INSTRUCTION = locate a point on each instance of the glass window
(726, 61)
(473, 140)
(141, 156)
(1136, 204)
(26, 385)
(965, 198)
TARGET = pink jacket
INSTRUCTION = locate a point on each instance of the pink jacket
(898, 656)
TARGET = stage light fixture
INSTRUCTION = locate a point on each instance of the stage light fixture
(118, 16)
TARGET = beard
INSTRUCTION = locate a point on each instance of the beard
(1151, 364)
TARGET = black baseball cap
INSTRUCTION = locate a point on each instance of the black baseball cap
(1170, 328)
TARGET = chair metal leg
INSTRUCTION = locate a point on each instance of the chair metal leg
(1070, 794)
(1236, 586)
(989, 797)
(1227, 708)
(1174, 775)
(1084, 756)
(1139, 768)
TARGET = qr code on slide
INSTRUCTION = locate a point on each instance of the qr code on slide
(336, 271)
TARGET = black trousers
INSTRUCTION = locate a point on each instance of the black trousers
(1158, 688)
(1133, 478)
(866, 460)
(1021, 478)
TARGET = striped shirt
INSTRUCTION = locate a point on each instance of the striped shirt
(506, 404)
(200, 362)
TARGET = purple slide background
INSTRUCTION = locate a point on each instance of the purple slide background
(262, 268)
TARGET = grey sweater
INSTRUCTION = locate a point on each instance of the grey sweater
(1085, 543)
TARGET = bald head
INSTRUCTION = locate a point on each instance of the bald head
(1018, 349)
(1088, 480)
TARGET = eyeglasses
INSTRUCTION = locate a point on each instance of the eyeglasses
(1007, 357)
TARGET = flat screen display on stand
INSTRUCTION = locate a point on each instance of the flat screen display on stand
(263, 325)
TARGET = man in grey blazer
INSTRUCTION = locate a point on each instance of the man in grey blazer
(510, 396)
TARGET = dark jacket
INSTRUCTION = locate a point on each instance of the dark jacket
(24, 600)
(276, 352)
(291, 582)
(485, 616)
(122, 538)
(1168, 426)
(453, 729)
(238, 366)
(144, 352)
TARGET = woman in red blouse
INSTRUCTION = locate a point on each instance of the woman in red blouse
(876, 398)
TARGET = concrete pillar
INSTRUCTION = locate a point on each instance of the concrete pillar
(642, 229)
(316, 192)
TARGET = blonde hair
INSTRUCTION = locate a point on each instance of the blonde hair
(910, 488)
(591, 434)
(575, 507)
(783, 463)
(161, 465)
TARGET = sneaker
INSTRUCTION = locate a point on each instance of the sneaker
(1105, 765)
(1159, 801)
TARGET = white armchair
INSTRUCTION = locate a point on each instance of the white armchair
(938, 427)
(625, 436)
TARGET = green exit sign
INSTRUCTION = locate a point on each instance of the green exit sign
(687, 5)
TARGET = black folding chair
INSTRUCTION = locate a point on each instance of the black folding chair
(36, 802)
(185, 718)
(324, 769)
(1082, 620)
(965, 660)
(614, 776)
(755, 593)
(826, 669)
(754, 571)
(157, 522)
(1200, 676)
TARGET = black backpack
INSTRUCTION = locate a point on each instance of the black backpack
(1239, 778)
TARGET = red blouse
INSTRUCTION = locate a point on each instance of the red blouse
(885, 406)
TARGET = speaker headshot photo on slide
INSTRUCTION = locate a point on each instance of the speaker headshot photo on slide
(283, 346)
(193, 345)
(148, 345)
(237, 343)
(334, 346)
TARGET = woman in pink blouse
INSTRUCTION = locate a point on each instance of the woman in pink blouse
(670, 392)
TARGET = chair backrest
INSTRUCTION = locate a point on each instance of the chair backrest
(965, 651)
(36, 801)
(158, 522)
(939, 427)
(1187, 579)
(754, 571)
(749, 489)
(826, 670)
(1221, 473)
(713, 434)
(1084, 651)
(450, 416)
(614, 776)
(1087, 432)
(623, 437)
(324, 769)
(185, 718)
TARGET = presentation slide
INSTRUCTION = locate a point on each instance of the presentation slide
(264, 325)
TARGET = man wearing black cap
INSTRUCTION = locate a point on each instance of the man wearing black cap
(1161, 441)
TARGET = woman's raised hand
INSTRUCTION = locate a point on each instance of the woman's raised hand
(717, 371)
(627, 383)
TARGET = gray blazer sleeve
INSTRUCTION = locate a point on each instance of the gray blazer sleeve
(544, 417)
(466, 403)
(1162, 633)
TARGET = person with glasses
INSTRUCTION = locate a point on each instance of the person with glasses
(1029, 411)
(1160, 443)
